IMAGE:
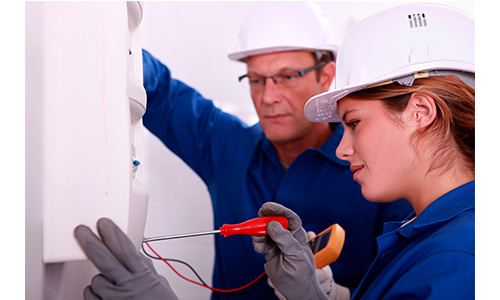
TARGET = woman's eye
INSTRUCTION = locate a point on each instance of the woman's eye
(352, 124)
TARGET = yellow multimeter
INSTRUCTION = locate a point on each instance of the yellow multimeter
(327, 245)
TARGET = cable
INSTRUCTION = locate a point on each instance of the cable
(263, 276)
(174, 260)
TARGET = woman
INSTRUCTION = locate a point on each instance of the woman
(408, 108)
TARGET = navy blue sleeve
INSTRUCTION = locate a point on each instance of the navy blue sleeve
(444, 275)
(187, 123)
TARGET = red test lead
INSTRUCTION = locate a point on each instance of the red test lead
(257, 226)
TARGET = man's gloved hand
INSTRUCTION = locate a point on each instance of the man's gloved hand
(126, 274)
(290, 262)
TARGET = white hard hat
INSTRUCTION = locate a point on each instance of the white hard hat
(399, 44)
(277, 26)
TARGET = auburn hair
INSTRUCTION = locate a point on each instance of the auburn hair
(452, 134)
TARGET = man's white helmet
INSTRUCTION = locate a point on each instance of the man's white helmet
(399, 44)
(277, 26)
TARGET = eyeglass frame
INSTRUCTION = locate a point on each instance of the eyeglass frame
(300, 73)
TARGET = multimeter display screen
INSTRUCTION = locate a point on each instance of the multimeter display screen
(320, 242)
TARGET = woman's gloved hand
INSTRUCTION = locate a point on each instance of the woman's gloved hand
(126, 274)
(325, 279)
(290, 262)
(325, 275)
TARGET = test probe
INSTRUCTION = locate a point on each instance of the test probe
(326, 246)
(253, 227)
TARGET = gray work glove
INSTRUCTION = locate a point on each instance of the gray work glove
(126, 274)
(325, 278)
(290, 262)
(325, 275)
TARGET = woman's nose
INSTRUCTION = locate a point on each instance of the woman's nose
(345, 150)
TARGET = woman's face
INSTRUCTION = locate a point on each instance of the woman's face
(378, 147)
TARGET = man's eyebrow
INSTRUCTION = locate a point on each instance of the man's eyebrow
(286, 69)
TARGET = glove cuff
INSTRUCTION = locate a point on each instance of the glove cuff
(316, 291)
(340, 293)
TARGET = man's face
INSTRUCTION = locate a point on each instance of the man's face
(281, 109)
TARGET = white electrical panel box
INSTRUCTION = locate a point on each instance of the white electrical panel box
(93, 100)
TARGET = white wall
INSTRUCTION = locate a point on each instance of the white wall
(76, 61)
(193, 40)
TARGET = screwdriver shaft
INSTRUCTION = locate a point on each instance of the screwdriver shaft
(178, 236)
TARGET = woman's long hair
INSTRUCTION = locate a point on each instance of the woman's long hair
(451, 136)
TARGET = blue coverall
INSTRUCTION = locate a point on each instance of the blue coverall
(432, 257)
(241, 170)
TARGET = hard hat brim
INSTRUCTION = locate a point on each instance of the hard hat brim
(242, 55)
(323, 107)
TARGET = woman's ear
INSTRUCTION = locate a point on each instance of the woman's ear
(423, 109)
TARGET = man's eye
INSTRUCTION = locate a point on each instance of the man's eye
(288, 77)
(255, 80)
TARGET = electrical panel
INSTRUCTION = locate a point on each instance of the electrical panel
(92, 135)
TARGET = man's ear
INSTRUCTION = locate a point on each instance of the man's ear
(422, 108)
(327, 75)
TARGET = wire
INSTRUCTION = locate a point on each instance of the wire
(261, 277)
(174, 260)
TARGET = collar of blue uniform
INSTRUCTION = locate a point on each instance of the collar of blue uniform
(327, 149)
(441, 210)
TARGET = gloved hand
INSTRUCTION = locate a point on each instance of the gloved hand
(126, 274)
(325, 275)
(325, 278)
(290, 262)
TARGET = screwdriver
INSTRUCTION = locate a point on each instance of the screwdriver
(257, 226)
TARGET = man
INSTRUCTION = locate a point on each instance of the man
(289, 52)
(279, 159)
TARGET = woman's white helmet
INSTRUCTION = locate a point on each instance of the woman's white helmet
(400, 44)
(276, 26)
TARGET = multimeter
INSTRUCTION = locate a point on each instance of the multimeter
(327, 245)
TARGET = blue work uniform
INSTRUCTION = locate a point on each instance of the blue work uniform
(241, 170)
(432, 257)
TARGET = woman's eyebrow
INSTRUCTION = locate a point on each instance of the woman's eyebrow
(347, 112)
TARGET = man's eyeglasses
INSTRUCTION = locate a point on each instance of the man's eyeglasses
(286, 80)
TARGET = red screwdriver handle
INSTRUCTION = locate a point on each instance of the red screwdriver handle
(257, 226)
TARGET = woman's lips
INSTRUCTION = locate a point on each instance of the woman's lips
(356, 169)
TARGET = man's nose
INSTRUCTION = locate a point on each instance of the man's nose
(270, 91)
